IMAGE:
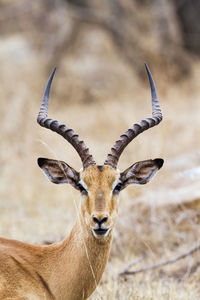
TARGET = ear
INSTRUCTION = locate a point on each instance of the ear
(59, 172)
(141, 172)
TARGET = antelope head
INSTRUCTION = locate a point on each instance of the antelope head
(100, 185)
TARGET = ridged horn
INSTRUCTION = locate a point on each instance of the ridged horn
(136, 129)
(62, 129)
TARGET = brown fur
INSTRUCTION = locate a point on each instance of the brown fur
(71, 269)
(64, 270)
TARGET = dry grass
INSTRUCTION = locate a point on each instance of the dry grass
(157, 221)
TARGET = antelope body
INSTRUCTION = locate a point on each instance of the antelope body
(71, 269)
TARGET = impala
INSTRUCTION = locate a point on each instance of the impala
(72, 268)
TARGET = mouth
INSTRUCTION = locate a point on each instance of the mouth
(100, 232)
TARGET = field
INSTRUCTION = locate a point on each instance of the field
(158, 221)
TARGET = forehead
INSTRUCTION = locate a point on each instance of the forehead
(99, 175)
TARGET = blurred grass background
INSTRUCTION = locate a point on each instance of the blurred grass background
(100, 89)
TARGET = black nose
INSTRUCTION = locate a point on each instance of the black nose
(100, 221)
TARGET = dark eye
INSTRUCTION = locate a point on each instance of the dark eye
(81, 188)
(118, 187)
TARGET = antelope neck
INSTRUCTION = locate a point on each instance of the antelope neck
(79, 262)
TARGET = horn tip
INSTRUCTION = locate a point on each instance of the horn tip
(147, 68)
(54, 69)
(53, 72)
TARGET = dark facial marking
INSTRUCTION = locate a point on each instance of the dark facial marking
(100, 168)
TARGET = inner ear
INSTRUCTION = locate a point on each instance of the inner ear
(141, 172)
(59, 172)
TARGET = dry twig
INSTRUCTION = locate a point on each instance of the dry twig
(158, 265)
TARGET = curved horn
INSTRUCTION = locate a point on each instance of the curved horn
(62, 129)
(136, 129)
